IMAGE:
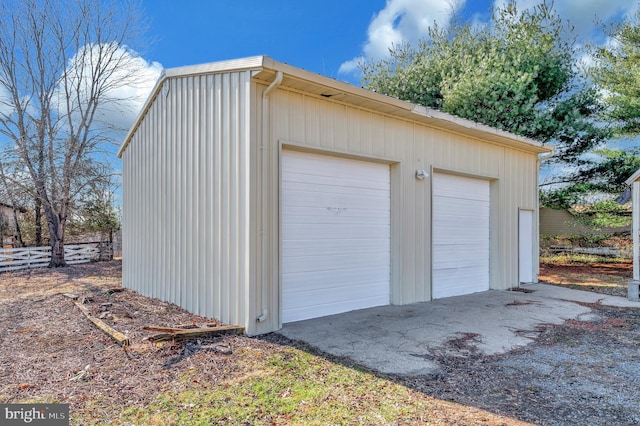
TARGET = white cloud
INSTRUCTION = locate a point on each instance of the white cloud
(128, 99)
(401, 20)
(583, 14)
(5, 101)
(128, 80)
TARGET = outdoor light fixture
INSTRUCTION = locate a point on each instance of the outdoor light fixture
(421, 174)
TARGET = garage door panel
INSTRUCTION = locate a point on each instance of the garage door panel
(336, 262)
(295, 180)
(460, 259)
(336, 230)
(320, 310)
(305, 215)
(342, 168)
(328, 279)
(351, 191)
(320, 296)
(335, 235)
(458, 279)
(460, 187)
(352, 297)
(339, 203)
(332, 246)
(466, 257)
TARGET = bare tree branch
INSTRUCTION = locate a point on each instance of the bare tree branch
(60, 62)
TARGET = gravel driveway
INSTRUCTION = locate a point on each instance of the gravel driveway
(577, 373)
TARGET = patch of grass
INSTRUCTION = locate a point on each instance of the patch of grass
(288, 387)
(579, 259)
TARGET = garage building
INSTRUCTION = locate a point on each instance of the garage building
(258, 193)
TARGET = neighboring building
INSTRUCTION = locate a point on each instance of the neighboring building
(562, 222)
(259, 193)
(634, 183)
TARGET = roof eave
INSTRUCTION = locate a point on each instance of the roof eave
(390, 105)
(634, 177)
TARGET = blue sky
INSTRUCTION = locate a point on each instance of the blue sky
(323, 36)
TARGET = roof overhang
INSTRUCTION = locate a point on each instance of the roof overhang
(633, 178)
(264, 69)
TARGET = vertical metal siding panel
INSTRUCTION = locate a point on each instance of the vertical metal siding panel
(172, 190)
(353, 133)
(208, 194)
(378, 135)
(167, 189)
(152, 195)
(140, 176)
(194, 126)
(226, 278)
(156, 146)
(174, 223)
(287, 124)
(402, 140)
(217, 195)
(146, 170)
(179, 197)
(422, 228)
(312, 121)
(126, 234)
(155, 171)
(340, 127)
(296, 112)
(233, 109)
(188, 239)
(201, 196)
(245, 301)
(325, 125)
(368, 128)
(182, 216)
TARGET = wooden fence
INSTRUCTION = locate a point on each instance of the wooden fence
(34, 257)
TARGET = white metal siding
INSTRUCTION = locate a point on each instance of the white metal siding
(525, 246)
(326, 124)
(186, 218)
(335, 224)
(461, 211)
(201, 208)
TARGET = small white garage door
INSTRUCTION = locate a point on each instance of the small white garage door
(460, 235)
(335, 235)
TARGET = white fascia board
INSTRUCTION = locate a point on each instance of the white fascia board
(634, 177)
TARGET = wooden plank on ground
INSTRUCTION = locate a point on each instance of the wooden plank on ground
(170, 333)
(114, 334)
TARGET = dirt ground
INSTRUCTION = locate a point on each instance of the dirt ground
(605, 278)
(576, 373)
(48, 349)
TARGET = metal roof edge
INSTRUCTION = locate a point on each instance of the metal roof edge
(515, 140)
(335, 84)
(212, 67)
(142, 113)
(505, 138)
(452, 122)
(634, 177)
(230, 65)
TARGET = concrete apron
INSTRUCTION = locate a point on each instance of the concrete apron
(403, 339)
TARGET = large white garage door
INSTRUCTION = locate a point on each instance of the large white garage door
(460, 235)
(335, 230)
